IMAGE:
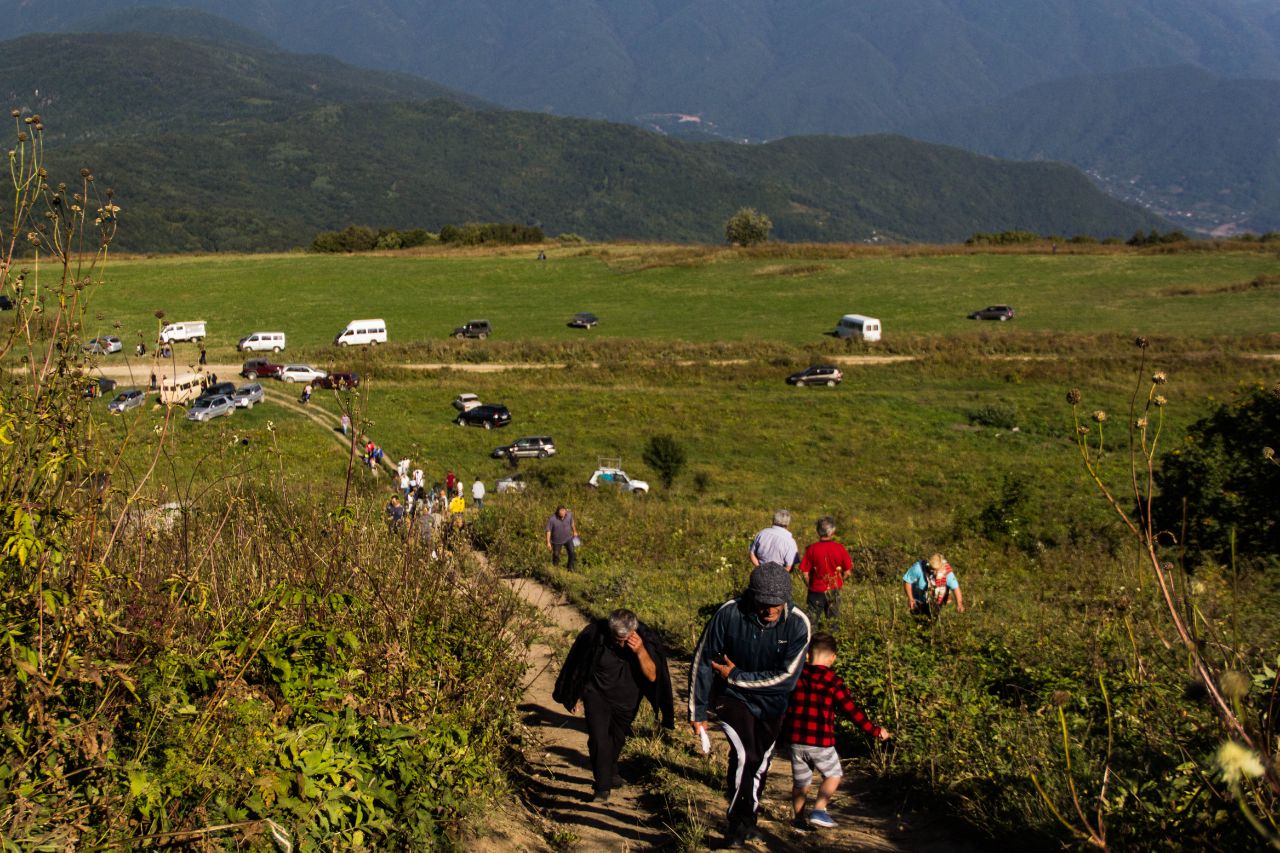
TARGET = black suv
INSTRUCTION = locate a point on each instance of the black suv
(993, 312)
(538, 446)
(584, 320)
(823, 374)
(475, 329)
(219, 389)
(485, 416)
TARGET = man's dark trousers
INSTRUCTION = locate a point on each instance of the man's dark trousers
(608, 726)
(751, 742)
(569, 549)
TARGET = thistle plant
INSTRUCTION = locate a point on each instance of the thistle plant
(1253, 783)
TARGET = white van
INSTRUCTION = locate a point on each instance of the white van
(262, 342)
(360, 332)
(858, 326)
(181, 389)
(175, 332)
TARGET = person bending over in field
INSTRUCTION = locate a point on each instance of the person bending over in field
(930, 584)
(810, 731)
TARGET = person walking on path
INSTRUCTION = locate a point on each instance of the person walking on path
(824, 565)
(204, 356)
(395, 514)
(930, 584)
(562, 532)
(745, 666)
(776, 544)
(810, 731)
(477, 494)
(306, 394)
(613, 665)
(450, 480)
(345, 420)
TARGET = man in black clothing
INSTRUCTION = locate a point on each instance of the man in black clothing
(614, 663)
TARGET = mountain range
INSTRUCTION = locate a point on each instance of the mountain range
(1037, 79)
(249, 148)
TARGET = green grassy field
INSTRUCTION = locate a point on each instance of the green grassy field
(683, 295)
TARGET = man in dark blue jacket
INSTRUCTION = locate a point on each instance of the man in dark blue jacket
(746, 664)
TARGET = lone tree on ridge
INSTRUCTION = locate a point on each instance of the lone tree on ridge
(747, 227)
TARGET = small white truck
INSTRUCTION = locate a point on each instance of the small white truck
(173, 333)
(610, 473)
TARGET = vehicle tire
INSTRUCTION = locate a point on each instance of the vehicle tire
(288, 379)
(459, 335)
(542, 454)
(458, 421)
(342, 343)
(275, 349)
(488, 425)
(482, 335)
(831, 383)
(1002, 319)
(372, 344)
(251, 375)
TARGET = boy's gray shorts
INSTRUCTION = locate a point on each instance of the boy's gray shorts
(806, 759)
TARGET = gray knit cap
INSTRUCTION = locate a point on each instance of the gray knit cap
(770, 584)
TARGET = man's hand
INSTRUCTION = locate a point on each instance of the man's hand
(724, 667)
(634, 642)
(698, 726)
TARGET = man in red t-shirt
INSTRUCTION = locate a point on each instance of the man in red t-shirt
(825, 563)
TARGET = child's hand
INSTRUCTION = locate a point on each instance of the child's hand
(885, 734)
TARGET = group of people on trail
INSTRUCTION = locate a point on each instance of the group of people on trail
(759, 669)
(416, 498)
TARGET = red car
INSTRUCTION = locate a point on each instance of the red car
(256, 368)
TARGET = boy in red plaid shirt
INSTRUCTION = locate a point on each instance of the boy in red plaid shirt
(810, 730)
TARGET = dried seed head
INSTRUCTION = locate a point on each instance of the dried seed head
(84, 173)
(1159, 377)
(1074, 396)
(1140, 342)
(1234, 685)
(1237, 762)
(22, 136)
(1140, 423)
(159, 315)
(1082, 430)
(1268, 453)
(1159, 400)
(1100, 416)
(1060, 698)
(15, 113)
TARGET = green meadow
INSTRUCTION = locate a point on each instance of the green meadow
(687, 295)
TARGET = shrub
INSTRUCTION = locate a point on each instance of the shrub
(747, 227)
(489, 233)
(665, 455)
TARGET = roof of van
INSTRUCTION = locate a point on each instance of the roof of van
(179, 379)
(355, 322)
(863, 317)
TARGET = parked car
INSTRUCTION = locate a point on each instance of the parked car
(993, 312)
(536, 446)
(126, 400)
(584, 320)
(823, 374)
(514, 483)
(485, 416)
(220, 389)
(301, 373)
(99, 387)
(262, 342)
(617, 477)
(474, 329)
(208, 408)
(466, 402)
(256, 368)
(192, 330)
(248, 396)
(104, 345)
(341, 379)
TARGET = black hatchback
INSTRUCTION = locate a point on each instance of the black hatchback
(824, 374)
(484, 416)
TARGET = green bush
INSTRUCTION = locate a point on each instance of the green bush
(747, 227)
(666, 456)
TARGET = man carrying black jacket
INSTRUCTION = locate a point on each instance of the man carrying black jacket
(613, 664)
(747, 662)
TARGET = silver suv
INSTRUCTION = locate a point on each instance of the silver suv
(537, 446)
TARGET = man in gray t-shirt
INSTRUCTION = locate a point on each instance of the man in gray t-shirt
(776, 544)
(562, 532)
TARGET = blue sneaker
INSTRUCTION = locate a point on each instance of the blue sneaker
(822, 819)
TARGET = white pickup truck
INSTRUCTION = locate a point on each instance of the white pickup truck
(173, 333)
(608, 476)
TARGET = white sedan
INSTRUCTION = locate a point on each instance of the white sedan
(301, 373)
(104, 345)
